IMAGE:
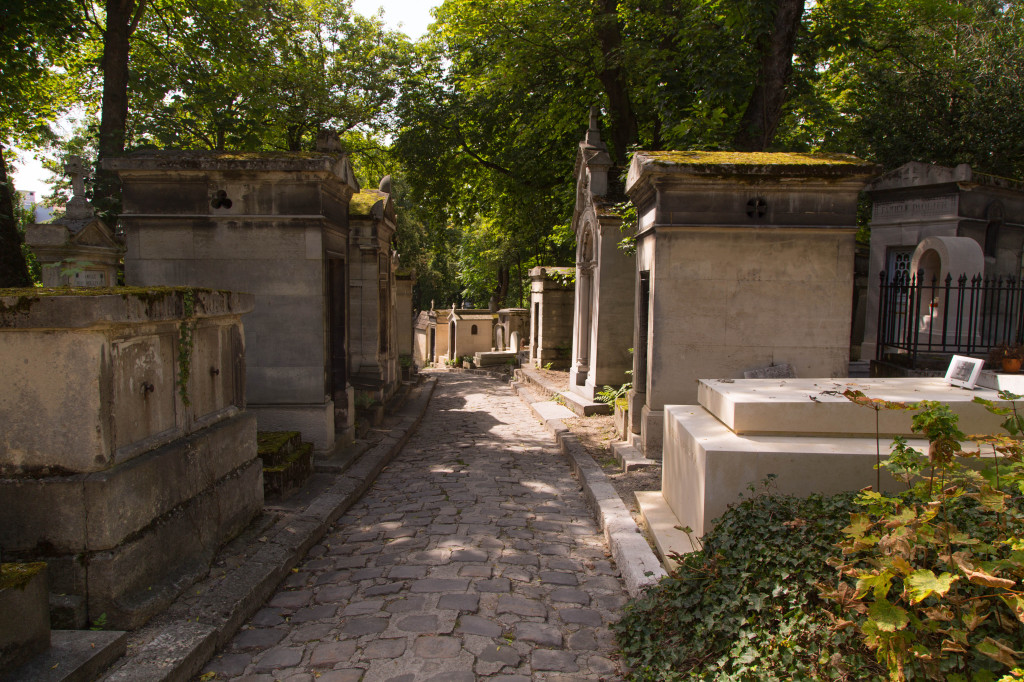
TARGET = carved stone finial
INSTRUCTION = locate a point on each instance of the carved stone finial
(385, 184)
(594, 132)
(328, 141)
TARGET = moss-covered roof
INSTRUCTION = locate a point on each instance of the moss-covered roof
(746, 167)
(706, 158)
(362, 203)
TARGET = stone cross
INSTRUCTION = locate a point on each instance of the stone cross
(78, 207)
(76, 169)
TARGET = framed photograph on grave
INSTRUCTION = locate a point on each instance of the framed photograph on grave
(964, 371)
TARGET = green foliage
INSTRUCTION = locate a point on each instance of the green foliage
(925, 80)
(100, 622)
(931, 577)
(611, 395)
(630, 226)
(257, 74)
(747, 607)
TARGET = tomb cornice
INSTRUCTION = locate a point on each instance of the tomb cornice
(697, 171)
(60, 307)
(774, 229)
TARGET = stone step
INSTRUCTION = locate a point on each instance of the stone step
(629, 458)
(275, 447)
(281, 480)
(584, 407)
(859, 369)
(549, 409)
(495, 358)
(534, 383)
(73, 656)
(817, 406)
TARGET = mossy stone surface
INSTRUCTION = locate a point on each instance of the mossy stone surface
(18, 575)
(269, 442)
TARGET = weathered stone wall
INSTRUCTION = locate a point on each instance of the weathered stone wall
(121, 481)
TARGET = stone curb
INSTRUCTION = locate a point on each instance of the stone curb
(178, 643)
(637, 563)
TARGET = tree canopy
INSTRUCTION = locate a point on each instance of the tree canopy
(479, 121)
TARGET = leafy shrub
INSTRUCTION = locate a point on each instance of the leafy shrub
(931, 577)
(747, 606)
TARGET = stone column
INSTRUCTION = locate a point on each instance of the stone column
(585, 277)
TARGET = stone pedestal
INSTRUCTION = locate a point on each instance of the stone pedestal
(743, 261)
(126, 457)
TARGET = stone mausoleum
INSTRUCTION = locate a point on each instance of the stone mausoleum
(78, 249)
(918, 201)
(272, 224)
(744, 260)
(604, 274)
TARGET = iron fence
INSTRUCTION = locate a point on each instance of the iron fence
(966, 316)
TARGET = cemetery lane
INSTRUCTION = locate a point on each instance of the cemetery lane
(473, 556)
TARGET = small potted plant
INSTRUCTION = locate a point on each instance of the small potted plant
(1009, 356)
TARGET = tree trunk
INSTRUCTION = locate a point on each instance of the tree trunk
(122, 17)
(622, 121)
(13, 270)
(502, 292)
(764, 111)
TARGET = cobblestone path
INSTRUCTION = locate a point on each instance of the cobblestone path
(473, 556)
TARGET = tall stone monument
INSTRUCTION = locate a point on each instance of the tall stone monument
(604, 274)
(373, 342)
(551, 310)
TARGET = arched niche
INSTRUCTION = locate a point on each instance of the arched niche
(935, 260)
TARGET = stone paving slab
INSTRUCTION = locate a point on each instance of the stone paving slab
(637, 562)
(473, 556)
(174, 646)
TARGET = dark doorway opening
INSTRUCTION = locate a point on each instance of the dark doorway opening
(338, 373)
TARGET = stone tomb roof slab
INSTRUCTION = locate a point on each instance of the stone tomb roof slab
(818, 406)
